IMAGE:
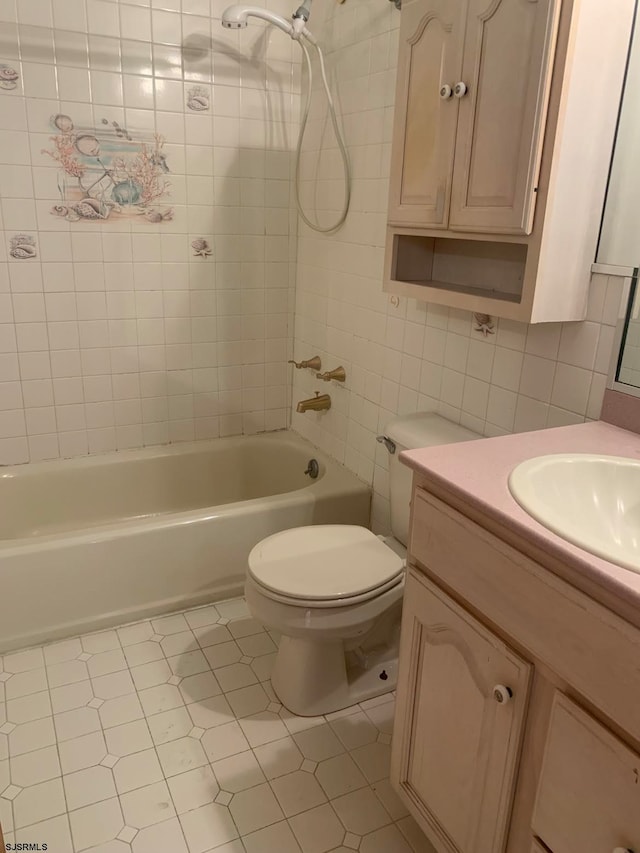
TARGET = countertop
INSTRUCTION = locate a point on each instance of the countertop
(477, 473)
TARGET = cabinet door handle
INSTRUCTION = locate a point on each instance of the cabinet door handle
(460, 90)
(502, 694)
(623, 850)
(446, 92)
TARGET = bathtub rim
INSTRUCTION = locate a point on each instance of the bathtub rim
(325, 486)
(156, 451)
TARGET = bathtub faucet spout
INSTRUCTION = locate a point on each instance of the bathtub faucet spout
(319, 403)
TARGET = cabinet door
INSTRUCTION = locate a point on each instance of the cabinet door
(431, 38)
(589, 789)
(508, 60)
(457, 732)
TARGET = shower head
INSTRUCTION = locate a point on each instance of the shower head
(235, 17)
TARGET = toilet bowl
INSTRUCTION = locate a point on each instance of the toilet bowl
(325, 590)
(334, 592)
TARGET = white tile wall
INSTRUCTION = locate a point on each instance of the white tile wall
(402, 356)
(113, 333)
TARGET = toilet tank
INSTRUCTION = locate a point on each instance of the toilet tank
(424, 429)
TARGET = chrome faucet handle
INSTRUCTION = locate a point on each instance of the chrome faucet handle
(388, 443)
(314, 363)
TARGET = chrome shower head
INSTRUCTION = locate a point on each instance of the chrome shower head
(235, 18)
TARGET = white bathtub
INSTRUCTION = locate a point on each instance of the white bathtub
(92, 542)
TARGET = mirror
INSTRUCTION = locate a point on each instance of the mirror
(619, 246)
(620, 235)
(626, 370)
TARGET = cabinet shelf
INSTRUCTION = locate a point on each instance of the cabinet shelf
(480, 292)
(474, 267)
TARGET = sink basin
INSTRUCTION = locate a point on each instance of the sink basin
(591, 501)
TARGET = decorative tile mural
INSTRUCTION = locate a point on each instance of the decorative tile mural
(8, 77)
(106, 173)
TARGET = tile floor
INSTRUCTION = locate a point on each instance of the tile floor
(166, 735)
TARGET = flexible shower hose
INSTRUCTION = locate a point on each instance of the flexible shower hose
(343, 150)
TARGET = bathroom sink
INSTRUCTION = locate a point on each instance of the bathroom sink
(591, 501)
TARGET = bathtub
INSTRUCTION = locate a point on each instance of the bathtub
(97, 541)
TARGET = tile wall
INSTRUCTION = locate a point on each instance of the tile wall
(402, 356)
(145, 231)
(148, 245)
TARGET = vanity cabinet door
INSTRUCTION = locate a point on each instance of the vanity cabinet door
(507, 68)
(462, 697)
(430, 58)
(589, 790)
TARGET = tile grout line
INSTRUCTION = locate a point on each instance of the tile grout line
(265, 688)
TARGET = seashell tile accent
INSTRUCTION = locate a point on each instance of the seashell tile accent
(201, 248)
(198, 99)
(9, 77)
(22, 247)
(159, 215)
(484, 324)
(87, 208)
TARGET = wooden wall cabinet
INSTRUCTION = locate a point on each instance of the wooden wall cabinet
(430, 64)
(495, 201)
(473, 90)
(517, 725)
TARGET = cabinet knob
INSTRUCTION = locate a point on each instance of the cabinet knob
(446, 92)
(460, 90)
(502, 694)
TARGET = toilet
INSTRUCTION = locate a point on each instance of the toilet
(334, 592)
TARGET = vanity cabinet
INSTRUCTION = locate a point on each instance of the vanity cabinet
(495, 201)
(589, 790)
(462, 724)
(517, 725)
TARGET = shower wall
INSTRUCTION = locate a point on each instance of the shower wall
(402, 356)
(146, 235)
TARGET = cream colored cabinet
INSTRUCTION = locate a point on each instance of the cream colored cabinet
(430, 64)
(589, 791)
(472, 92)
(495, 200)
(503, 98)
(504, 751)
(462, 699)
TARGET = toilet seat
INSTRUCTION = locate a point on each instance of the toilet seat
(327, 603)
(324, 566)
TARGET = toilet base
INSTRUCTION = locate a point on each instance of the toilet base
(312, 678)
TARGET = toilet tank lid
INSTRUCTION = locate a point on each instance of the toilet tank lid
(427, 429)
